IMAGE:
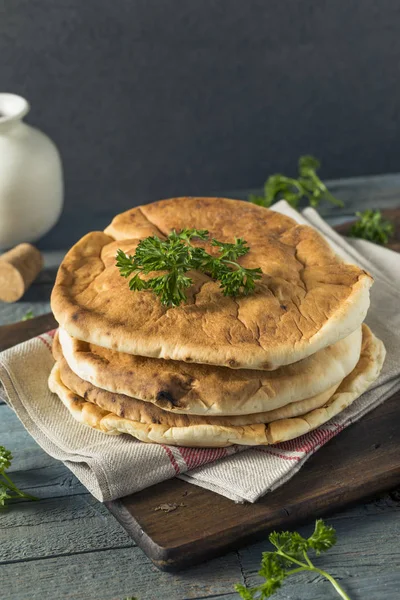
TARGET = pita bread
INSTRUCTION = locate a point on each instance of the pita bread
(208, 390)
(145, 412)
(210, 435)
(307, 299)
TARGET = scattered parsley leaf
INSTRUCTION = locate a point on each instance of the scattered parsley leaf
(169, 506)
(372, 226)
(8, 490)
(308, 185)
(176, 255)
(291, 556)
(28, 315)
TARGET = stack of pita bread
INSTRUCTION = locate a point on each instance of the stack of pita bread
(215, 371)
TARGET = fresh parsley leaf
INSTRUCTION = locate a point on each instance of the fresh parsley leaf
(372, 226)
(176, 255)
(323, 538)
(28, 315)
(8, 490)
(189, 234)
(308, 185)
(292, 544)
(290, 557)
(241, 280)
(231, 251)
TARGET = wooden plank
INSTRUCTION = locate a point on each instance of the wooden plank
(113, 575)
(62, 526)
(32, 469)
(37, 301)
(345, 470)
(10, 335)
(366, 564)
(357, 547)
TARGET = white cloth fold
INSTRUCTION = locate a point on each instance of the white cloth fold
(114, 466)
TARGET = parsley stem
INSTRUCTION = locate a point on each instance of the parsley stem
(230, 262)
(13, 488)
(310, 567)
(292, 559)
(333, 581)
(307, 559)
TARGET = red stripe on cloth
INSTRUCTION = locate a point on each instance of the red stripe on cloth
(284, 456)
(45, 342)
(309, 442)
(195, 457)
(171, 457)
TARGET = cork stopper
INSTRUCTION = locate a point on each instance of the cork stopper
(18, 268)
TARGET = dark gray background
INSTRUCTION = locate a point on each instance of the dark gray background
(150, 98)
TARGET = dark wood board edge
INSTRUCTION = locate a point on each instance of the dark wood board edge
(259, 520)
(173, 560)
(16, 333)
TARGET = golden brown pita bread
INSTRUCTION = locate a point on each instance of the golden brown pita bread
(308, 298)
(210, 435)
(204, 389)
(146, 412)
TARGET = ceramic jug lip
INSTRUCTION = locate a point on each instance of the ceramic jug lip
(12, 108)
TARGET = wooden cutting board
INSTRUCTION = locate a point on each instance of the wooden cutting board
(360, 462)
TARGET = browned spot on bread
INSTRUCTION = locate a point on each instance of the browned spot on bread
(166, 396)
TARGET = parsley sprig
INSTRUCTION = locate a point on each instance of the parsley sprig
(28, 315)
(8, 490)
(290, 557)
(372, 226)
(308, 185)
(176, 255)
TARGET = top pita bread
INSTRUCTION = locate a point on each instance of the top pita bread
(307, 299)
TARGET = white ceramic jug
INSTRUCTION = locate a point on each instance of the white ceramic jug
(31, 182)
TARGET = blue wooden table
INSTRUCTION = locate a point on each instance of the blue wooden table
(68, 546)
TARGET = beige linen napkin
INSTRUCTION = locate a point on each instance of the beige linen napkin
(111, 467)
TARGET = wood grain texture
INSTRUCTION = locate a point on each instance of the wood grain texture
(73, 526)
(33, 470)
(91, 571)
(359, 462)
(10, 335)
